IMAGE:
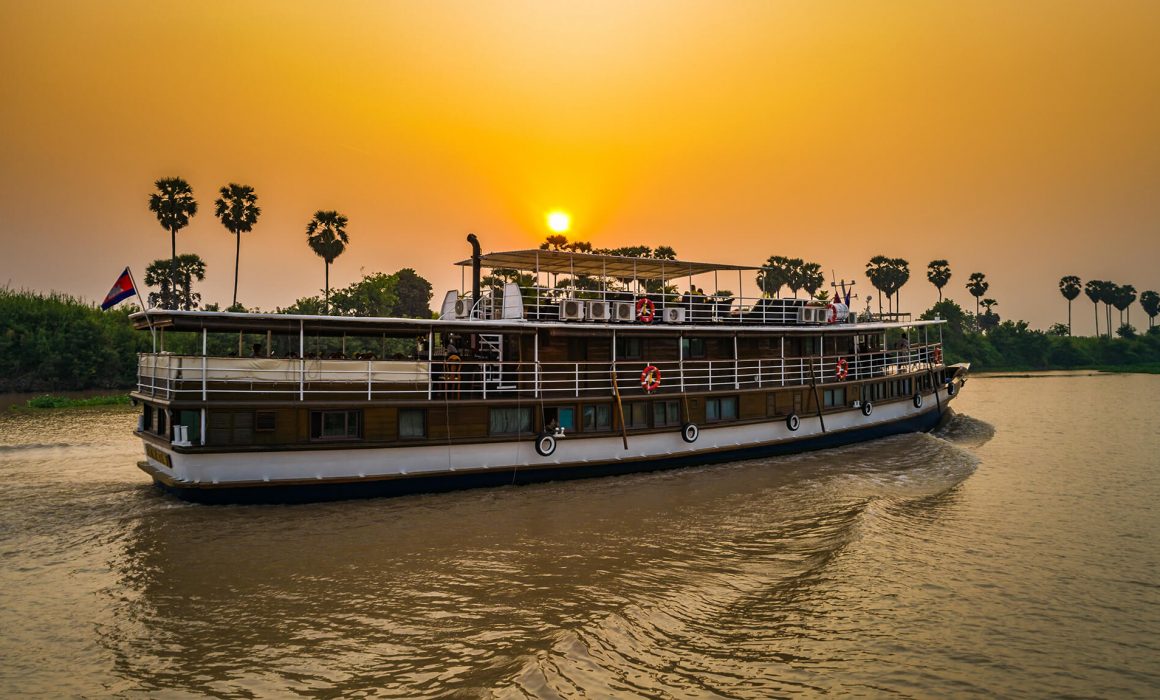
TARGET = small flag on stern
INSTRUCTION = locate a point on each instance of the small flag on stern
(122, 290)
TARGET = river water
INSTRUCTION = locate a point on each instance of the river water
(1012, 553)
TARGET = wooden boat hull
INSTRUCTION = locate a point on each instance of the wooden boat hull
(403, 474)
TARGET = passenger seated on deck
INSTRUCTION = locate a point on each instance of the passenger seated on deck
(257, 350)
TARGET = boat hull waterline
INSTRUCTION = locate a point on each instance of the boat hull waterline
(328, 475)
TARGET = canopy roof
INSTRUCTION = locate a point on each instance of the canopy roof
(598, 265)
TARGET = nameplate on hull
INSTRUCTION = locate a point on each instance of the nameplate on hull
(158, 456)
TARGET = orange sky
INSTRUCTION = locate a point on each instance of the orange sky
(1017, 139)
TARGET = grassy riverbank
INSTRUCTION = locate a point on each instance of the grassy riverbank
(55, 401)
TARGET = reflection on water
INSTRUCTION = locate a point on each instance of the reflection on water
(957, 562)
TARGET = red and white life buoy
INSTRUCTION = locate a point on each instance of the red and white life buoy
(833, 317)
(646, 310)
(938, 355)
(841, 368)
(650, 379)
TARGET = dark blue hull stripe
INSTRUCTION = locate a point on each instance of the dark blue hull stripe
(306, 493)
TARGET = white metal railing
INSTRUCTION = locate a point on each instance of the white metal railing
(544, 304)
(195, 377)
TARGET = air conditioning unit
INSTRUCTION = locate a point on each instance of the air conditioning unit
(463, 308)
(571, 310)
(812, 314)
(674, 314)
(623, 311)
(599, 311)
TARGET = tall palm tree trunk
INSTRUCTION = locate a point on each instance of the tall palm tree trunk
(237, 257)
(326, 298)
(173, 267)
(1069, 317)
(1096, 306)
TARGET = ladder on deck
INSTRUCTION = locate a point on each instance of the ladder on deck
(493, 374)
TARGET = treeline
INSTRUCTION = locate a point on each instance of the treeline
(1013, 345)
(55, 342)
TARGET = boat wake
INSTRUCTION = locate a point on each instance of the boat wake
(965, 431)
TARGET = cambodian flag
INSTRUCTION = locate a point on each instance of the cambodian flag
(122, 290)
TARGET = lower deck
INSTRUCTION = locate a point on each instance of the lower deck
(444, 420)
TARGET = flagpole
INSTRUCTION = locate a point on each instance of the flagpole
(144, 310)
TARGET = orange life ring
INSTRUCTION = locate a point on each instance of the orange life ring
(842, 368)
(646, 310)
(938, 355)
(650, 379)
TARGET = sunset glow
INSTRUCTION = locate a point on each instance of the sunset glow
(1005, 138)
(559, 222)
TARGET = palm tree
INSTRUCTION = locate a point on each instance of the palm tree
(900, 275)
(1108, 291)
(938, 272)
(773, 275)
(1124, 298)
(1092, 291)
(326, 235)
(174, 205)
(1150, 300)
(1069, 287)
(159, 274)
(878, 271)
(237, 208)
(811, 277)
(977, 285)
(795, 278)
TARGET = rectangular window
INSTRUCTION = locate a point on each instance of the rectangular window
(265, 421)
(335, 425)
(693, 348)
(666, 413)
(412, 423)
(597, 417)
(628, 348)
(510, 421)
(636, 414)
(161, 427)
(567, 418)
(834, 397)
(718, 409)
(147, 418)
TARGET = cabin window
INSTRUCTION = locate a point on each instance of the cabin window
(628, 348)
(161, 427)
(809, 346)
(510, 421)
(693, 348)
(560, 417)
(265, 421)
(192, 421)
(636, 414)
(412, 423)
(147, 418)
(597, 417)
(834, 397)
(335, 425)
(723, 408)
(666, 413)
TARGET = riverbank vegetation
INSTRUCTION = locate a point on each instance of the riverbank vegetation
(1014, 345)
(55, 342)
(55, 401)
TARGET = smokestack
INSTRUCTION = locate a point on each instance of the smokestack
(474, 268)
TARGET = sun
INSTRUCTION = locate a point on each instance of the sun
(559, 221)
